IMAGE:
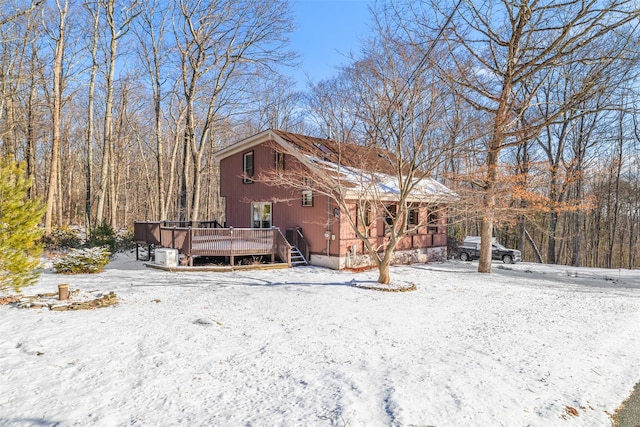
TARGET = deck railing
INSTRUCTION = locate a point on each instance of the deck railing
(211, 241)
(193, 224)
(296, 238)
(281, 246)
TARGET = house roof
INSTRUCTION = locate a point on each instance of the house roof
(370, 158)
(363, 169)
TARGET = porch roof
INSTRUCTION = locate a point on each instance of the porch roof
(357, 184)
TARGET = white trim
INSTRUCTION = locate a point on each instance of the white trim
(261, 206)
(252, 141)
(246, 178)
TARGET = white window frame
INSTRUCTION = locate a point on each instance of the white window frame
(307, 195)
(247, 177)
(262, 214)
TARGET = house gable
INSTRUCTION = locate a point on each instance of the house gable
(291, 208)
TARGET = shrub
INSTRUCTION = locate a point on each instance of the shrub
(62, 238)
(103, 235)
(20, 233)
(124, 240)
(77, 261)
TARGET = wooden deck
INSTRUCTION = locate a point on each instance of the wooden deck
(194, 239)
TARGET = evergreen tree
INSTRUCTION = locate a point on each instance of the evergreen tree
(20, 233)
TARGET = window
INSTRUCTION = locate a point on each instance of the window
(307, 195)
(261, 215)
(433, 222)
(279, 162)
(363, 218)
(412, 217)
(389, 218)
(247, 167)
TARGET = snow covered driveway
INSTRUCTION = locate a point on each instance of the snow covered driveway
(526, 345)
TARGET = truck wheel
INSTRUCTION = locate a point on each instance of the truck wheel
(507, 259)
(464, 256)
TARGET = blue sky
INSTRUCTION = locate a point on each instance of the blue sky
(326, 31)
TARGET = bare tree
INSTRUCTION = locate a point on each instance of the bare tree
(153, 53)
(18, 81)
(221, 43)
(10, 14)
(402, 140)
(333, 118)
(118, 25)
(56, 109)
(94, 10)
(277, 105)
(503, 51)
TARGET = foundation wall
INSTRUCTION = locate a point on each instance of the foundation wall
(412, 256)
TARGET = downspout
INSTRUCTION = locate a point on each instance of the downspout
(328, 225)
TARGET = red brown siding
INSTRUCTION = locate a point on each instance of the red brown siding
(288, 212)
(287, 209)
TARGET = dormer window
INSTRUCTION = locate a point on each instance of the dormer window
(247, 167)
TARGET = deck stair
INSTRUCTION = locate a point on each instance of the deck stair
(297, 258)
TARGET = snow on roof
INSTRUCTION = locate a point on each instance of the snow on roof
(359, 183)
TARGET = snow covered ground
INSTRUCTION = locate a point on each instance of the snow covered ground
(529, 344)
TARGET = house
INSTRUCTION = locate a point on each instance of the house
(268, 179)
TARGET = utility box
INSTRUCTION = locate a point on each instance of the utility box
(167, 257)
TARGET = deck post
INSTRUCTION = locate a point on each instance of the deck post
(273, 244)
(231, 257)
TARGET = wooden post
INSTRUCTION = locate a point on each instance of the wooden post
(63, 292)
(231, 254)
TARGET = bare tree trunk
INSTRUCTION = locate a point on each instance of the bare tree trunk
(151, 34)
(95, 14)
(62, 166)
(534, 246)
(107, 174)
(553, 227)
(173, 164)
(489, 202)
(197, 181)
(9, 137)
(31, 138)
(183, 208)
(107, 147)
(162, 192)
(384, 263)
(56, 114)
(384, 275)
(616, 170)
